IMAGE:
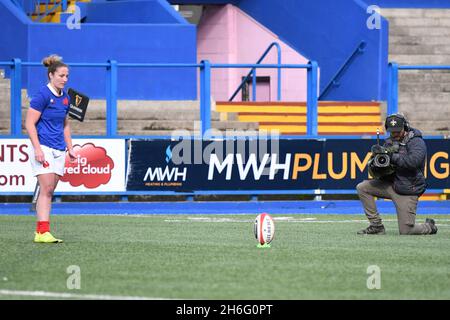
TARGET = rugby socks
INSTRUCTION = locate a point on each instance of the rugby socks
(43, 227)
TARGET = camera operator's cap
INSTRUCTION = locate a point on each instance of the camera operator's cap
(394, 123)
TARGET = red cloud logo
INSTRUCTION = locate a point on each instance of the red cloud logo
(92, 168)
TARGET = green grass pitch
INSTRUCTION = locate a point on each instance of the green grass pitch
(216, 257)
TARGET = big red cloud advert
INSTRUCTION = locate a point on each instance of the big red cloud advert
(92, 167)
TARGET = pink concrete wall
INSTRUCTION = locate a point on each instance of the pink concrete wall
(227, 35)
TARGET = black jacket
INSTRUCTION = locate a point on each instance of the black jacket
(409, 163)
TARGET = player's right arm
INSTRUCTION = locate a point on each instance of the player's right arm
(37, 105)
(33, 116)
(30, 125)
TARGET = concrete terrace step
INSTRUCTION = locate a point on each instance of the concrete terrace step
(424, 87)
(149, 110)
(428, 76)
(143, 118)
(427, 59)
(433, 116)
(421, 21)
(431, 132)
(4, 107)
(441, 125)
(440, 100)
(426, 112)
(4, 125)
(421, 31)
(396, 49)
(188, 133)
(417, 40)
(145, 126)
(405, 40)
(404, 13)
(189, 125)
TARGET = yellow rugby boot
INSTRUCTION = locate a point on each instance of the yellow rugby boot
(45, 238)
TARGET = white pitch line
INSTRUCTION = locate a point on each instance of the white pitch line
(63, 295)
(287, 219)
(340, 221)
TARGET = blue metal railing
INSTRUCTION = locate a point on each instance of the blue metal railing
(252, 73)
(205, 67)
(393, 69)
(16, 67)
(334, 82)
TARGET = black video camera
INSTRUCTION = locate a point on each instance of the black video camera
(380, 163)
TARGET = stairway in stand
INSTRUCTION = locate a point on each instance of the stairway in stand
(422, 36)
(51, 11)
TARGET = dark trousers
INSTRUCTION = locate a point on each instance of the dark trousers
(405, 205)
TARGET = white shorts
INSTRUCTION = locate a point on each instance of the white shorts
(56, 160)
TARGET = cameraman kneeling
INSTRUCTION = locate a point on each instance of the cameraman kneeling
(402, 181)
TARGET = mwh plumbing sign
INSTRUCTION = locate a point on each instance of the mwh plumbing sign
(263, 164)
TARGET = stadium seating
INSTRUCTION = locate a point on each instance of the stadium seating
(334, 118)
(56, 14)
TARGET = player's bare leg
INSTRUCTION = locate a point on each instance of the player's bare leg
(47, 183)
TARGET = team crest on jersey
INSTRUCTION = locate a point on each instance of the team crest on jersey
(66, 101)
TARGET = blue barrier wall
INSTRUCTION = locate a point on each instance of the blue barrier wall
(136, 12)
(27, 5)
(235, 2)
(137, 43)
(327, 31)
(411, 3)
(13, 23)
(172, 41)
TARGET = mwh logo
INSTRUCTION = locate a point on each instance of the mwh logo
(166, 174)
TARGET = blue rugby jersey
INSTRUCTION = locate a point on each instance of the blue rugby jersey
(54, 109)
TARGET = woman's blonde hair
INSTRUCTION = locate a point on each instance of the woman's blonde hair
(53, 62)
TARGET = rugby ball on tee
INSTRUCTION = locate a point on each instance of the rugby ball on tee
(264, 228)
